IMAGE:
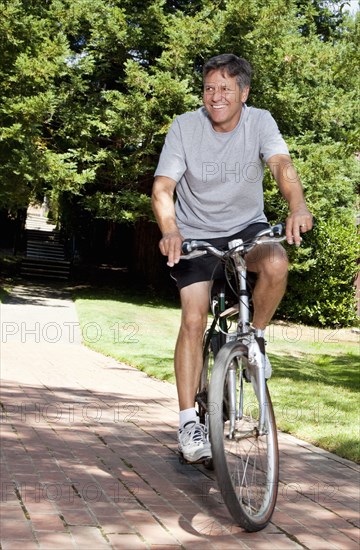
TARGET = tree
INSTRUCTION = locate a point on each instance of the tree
(28, 64)
(90, 87)
(307, 82)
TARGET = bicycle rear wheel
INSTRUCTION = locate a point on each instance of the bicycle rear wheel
(212, 342)
(246, 462)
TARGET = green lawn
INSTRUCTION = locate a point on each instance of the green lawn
(133, 330)
(315, 382)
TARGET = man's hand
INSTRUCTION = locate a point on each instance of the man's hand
(299, 221)
(170, 246)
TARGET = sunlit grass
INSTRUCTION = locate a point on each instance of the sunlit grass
(315, 382)
(140, 333)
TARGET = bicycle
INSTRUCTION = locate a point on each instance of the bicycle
(233, 397)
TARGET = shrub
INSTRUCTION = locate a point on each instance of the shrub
(321, 280)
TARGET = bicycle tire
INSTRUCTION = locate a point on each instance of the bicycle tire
(247, 466)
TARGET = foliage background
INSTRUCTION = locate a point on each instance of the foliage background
(88, 89)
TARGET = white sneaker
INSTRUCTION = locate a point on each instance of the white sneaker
(194, 441)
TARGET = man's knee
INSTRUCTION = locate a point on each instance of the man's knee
(269, 259)
(193, 322)
(277, 260)
(275, 269)
(195, 306)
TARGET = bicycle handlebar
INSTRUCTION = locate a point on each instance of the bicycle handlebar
(275, 234)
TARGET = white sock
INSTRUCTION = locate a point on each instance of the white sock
(259, 332)
(187, 415)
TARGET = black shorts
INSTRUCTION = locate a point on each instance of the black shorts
(208, 267)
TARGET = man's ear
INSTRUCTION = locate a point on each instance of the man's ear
(244, 94)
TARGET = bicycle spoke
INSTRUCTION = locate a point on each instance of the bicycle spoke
(246, 464)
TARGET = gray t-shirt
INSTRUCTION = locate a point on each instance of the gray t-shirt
(219, 175)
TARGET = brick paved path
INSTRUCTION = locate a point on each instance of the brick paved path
(89, 461)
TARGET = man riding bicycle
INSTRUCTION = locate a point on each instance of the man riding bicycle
(213, 159)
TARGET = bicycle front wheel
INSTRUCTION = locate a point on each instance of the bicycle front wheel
(246, 461)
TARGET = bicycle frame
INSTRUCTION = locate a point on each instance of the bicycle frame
(241, 270)
(255, 365)
(237, 405)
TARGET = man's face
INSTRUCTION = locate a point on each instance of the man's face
(223, 100)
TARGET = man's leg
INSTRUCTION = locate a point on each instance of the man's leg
(270, 263)
(188, 351)
(193, 437)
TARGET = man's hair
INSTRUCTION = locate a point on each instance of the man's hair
(232, 65)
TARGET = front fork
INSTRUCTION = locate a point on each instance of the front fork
(231, 393)
(257, 375)
(256, 372)
(256, 366)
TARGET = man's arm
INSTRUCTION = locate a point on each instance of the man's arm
(164, 210)
(300, 219)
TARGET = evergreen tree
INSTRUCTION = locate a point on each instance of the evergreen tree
(89, 89)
